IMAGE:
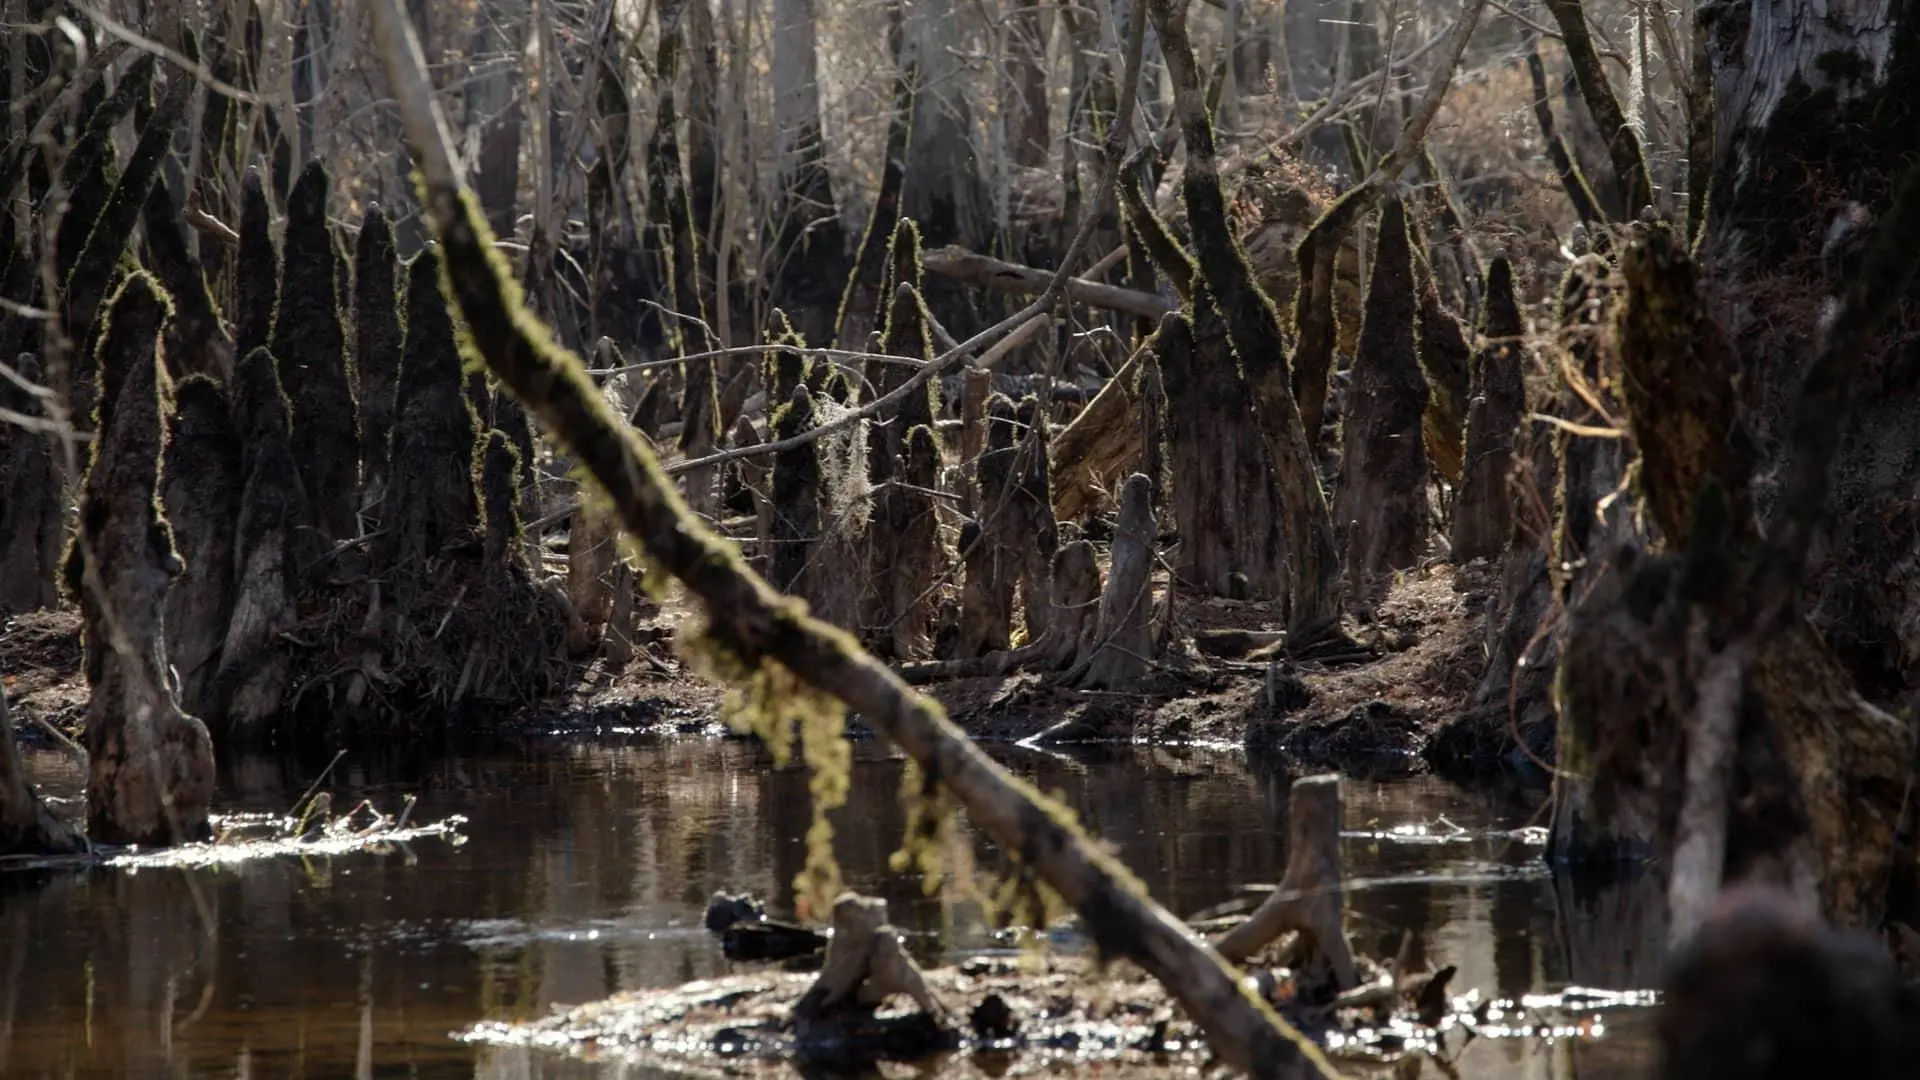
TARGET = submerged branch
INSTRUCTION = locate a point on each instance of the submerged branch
(762, 629)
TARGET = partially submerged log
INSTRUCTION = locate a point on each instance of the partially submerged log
(1483, 512)
(1312, 898)
(149, 766)
(1122, 646)
(200, 490)
(1381, 506)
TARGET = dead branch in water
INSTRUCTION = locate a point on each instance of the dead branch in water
(760, 628)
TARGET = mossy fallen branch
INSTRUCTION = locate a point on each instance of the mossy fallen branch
(757, 627)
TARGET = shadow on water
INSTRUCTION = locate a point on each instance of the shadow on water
(585, 870)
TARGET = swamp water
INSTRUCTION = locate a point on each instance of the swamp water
(582, 870)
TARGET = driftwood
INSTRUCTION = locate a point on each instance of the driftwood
(987, 272)
(31, 530)
(749, 620)
(149, 766)
(1381, 507)
(1122, 647)
(1483, 511)
(309, 342)
(1312, 897)
(200, 490)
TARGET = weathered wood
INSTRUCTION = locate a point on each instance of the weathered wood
(1093, 452)
(989, 540)
(1483, 511)
(309, 342)
(149, 766)
(865, 966)
(591, 553)
(1446, 360)
(200, 492)
(1075, 589)
(1224, 494)
(1381, 506)
(379, 342)
(267, 552)
(1122, 647)
(749, 621)
(987, 272)
(1312, 897)
(31, 529)
(1033, 522)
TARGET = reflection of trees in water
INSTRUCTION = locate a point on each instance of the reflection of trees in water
(629, 841)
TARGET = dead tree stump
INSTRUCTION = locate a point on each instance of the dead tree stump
(431, 498)
(379, 343)
(149, 766)
(989, 542)
(1381, 508)
(1032, 507)
(1483, 511)
(591, 553)
(700, 433)
(31, 530)
(201, 485)
(309, 341)
(1311, 900)
(267, 550)
(865, 966)
(1122, 649)
(1223, 484)
(1075, 591)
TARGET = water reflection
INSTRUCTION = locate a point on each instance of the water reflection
(586, 869)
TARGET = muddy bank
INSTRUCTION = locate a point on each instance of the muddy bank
(1400, 703)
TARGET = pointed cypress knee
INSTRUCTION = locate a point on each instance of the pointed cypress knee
(309, 341)
(990, 544)
(1381, 508)
(795, 496)
(431, 502)
(149, 766)
(1122, 648)
(378, 341)
(1483, 512)
(914, 522)
(1446, 359)
(499, 491)
(1033, 508)
(196, 342)
(256, 280)
(200, 490)
(31, 528)
(271, 546)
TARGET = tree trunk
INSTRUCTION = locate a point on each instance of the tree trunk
(1029, 125)
(944, 191)
(809, 241)
(149, 766)
(200, 491)
(1483, 512)
(31, 529)
(494, 104)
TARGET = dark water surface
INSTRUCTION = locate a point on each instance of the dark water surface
(584, 871)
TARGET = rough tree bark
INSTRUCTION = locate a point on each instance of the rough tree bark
(1381, 508)
(378, 344)
(200, 492)
(433, 504)
(1122, 647)
(309, 341)
(149, 766)
(943, 189)
(1483, 512)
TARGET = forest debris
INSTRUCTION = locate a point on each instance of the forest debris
(987, 272)
(1312, 897)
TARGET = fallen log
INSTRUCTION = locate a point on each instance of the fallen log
(763, 631)
(987, 272)
(1094, 451)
